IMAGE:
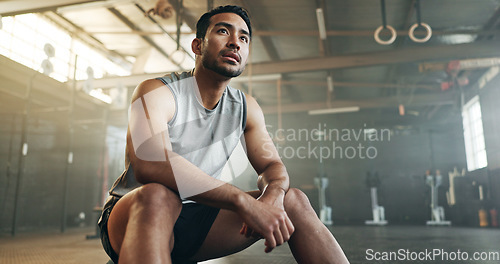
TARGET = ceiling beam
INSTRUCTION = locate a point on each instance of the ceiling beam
(93, 5)
(135, 79)
(470, 64)
(369, 33)
(407, 55)
(11, 7)
(364, 85)
(315, 33)
(87, 38)
(492, 23)
(149, 40)
(431, 99)
(114, 81)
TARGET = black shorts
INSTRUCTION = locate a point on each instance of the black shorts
(190, 230)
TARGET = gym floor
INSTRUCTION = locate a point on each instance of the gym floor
(73, 247)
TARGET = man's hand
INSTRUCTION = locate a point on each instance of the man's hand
(271, 205)
(273, 196)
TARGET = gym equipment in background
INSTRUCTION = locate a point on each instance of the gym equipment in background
(372, 180)
(437, 212)
(450, 194)
(411, 31)
(321, 182)
(325, 214)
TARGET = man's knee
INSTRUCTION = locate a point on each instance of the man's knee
(297, 201)
(157, 197)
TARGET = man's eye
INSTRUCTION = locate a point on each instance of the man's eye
(244, 39)
(222, 30)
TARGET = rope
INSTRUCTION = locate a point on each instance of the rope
(382, 7)
(417, 6)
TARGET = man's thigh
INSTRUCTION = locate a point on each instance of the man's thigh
(121, 213)
(224, 237)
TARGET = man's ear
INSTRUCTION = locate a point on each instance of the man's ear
(196, 46)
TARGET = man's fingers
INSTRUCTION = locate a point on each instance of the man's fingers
(286, 228)
(284, 232)
(268, 248)
(270, 244)
(279, 237)
(290, 226)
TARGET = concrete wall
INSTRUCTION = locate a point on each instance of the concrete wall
(41, 189)
(490, 108)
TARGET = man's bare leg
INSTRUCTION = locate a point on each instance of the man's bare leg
(148, 215)
(311, 242)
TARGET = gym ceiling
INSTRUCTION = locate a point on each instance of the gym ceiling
(292, 56)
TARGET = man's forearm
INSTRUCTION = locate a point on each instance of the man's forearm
(225, 196)
(274, 176)
(190, 182)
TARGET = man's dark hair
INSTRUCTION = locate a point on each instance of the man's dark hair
(204, 21)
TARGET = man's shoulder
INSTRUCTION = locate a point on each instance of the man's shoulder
(150, 85)
(235, 93)
(175, 76)
(255, 116)
(251, 102)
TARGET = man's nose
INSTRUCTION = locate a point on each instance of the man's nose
(233, 42)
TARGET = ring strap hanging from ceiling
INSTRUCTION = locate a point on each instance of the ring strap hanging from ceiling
(411, 32)
(384, 25)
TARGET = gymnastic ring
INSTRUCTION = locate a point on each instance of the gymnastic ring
(385, 42)
(411, 33)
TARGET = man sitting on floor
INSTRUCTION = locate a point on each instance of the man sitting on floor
(169, 205)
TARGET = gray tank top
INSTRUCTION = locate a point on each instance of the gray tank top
(205, 137)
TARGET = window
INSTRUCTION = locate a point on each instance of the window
(23, 38)
(475, 150)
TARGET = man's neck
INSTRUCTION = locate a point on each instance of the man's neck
(211, 86)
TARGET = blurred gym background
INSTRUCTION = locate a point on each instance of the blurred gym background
(403, 94)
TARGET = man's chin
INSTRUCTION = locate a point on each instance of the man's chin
(229, 73)
(225, 69)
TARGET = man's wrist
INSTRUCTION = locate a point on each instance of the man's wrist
(241, 201)
(275, 187)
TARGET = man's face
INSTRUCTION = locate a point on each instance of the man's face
(226, 45)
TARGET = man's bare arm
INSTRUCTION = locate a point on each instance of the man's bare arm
(273, 179)
(262, 153)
